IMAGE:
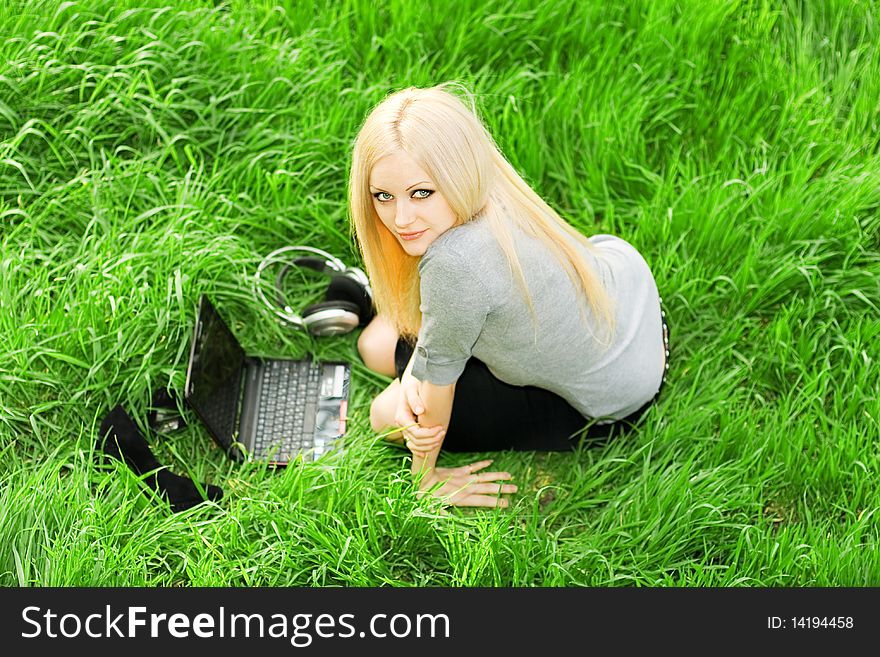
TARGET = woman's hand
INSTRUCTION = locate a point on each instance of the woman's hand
(420, 440)
(466, 486)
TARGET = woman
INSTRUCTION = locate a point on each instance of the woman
(505, 327)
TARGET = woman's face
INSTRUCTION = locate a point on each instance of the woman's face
(408, 202)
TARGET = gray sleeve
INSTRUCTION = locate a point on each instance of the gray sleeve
(454, 308)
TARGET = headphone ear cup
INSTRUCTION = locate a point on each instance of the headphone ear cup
(331, 317)
(346, 289)
(341, 311)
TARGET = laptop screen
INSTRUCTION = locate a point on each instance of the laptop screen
(214, 377)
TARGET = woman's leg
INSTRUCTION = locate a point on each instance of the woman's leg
(376, 346)
(382, 411)
(490, 415)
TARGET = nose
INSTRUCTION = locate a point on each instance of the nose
(404, 214)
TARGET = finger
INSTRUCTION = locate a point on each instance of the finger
(482, 500)
(470, 484)
(425, 433)
(422, 450)
(425, 440)
(422, 443)
(472, 467)
(492, 476)
(403, 418)
(492, 489)
(423, 447)
(422, 453)
(402, 414)
(413, 399)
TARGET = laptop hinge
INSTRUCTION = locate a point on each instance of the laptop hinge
(250, 402)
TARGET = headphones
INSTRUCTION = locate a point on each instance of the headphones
(348, 301)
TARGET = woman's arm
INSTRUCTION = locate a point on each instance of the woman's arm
(462, 486)
(437, 402)
(415, 396)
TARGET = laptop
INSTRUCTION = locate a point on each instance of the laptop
(268, 409)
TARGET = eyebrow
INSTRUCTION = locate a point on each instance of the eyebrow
(421, 182)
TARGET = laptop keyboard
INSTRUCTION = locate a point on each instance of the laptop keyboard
(288, 402)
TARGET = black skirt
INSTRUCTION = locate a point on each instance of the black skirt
(490, 415)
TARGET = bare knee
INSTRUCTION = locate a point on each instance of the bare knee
(383, 408)
(377, 344)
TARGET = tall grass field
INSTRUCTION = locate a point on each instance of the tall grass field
(151, 152)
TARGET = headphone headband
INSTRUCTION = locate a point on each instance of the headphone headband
(331, 262)
(332, 266)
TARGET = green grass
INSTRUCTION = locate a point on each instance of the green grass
(149, 154)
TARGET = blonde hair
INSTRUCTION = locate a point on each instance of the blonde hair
(447, 139)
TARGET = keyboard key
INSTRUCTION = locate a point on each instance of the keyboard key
(288, 404)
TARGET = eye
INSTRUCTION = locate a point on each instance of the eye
(378, 196)
(422, 193)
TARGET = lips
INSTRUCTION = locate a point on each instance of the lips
(412, 236)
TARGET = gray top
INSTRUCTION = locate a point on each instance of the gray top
(472, 306)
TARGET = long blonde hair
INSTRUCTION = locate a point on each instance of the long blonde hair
(445, 137)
